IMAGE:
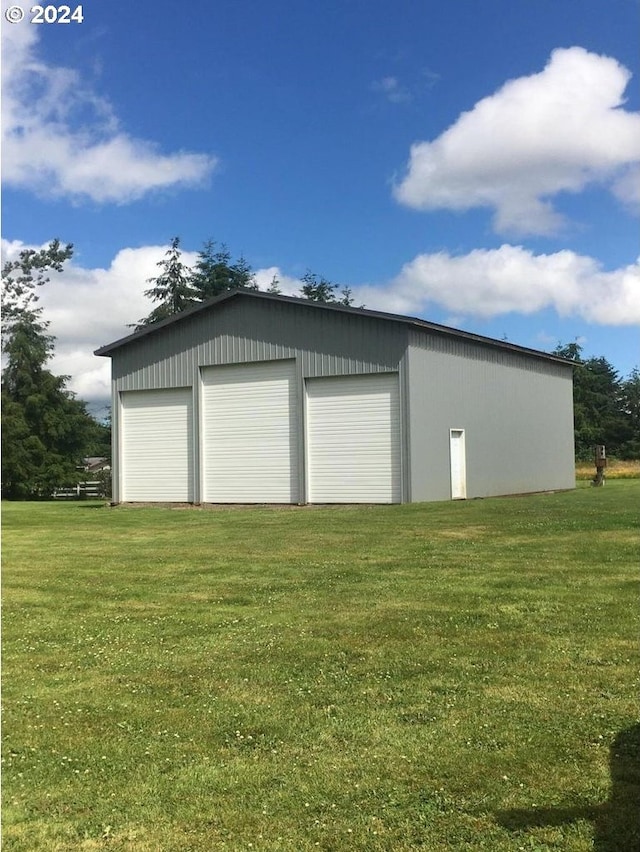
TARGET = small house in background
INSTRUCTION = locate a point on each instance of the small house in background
(259, 398)
(94, 481)
(96, 464)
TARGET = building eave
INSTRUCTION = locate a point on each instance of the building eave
(414, 322)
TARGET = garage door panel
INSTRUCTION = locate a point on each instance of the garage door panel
(157, 445)
(250, 446)
(353, 435)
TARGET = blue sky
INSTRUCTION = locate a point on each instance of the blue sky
(476, 164)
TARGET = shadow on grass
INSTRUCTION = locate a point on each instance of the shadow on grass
(616, 821)
(80, 504)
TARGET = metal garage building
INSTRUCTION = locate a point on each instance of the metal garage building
(256, 398)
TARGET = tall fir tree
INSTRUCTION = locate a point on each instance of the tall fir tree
(600, 413)
(317, 288)
(46, 430)
(214, 272)
(274, 286)
(172, 289)
(242, 277)
(631, 406)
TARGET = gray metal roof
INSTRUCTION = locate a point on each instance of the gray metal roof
(414, 322)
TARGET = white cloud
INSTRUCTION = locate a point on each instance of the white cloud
(397, 91)
(89, 308)
(392, 90)
(288, 286)
(488, 283)
(59, 138)
(537, 136)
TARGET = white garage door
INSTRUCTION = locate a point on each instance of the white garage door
(157, 445)
(250, 446)
(353, 439)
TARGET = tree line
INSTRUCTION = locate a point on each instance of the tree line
(606, 407)
(47, 431)
(178, 287)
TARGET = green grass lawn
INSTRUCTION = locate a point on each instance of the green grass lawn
(450, 676)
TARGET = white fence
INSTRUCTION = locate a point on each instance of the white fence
(93, 490)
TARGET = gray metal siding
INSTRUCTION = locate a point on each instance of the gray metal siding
(517, 413)
(238, 332)
(515, 408)
(327, 344)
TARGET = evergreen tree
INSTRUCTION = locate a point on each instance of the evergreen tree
(213, 273)
(347, 298)
(172, 288)
(317, 288)
(600, 416)
(242, 276)
(631, 407)
(274, 286)
(45, 429)
(99, 443)
(20, 280)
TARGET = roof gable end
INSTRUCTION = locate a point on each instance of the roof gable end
(414, 322)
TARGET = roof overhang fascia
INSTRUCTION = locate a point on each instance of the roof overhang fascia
(412, 322)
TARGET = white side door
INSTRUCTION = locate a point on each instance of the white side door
(458, 464)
